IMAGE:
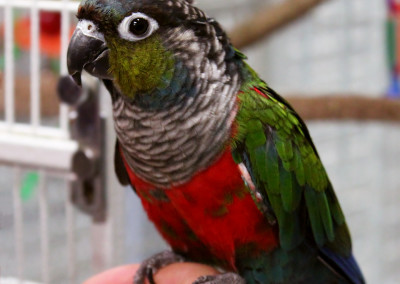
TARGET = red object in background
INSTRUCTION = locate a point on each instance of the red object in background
(393, 6)
(50, 33)
(50, 22)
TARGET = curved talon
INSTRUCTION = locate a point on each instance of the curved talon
(149, 275)
(150, 266)
(226, 278)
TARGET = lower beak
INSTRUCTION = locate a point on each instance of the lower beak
(87, 53)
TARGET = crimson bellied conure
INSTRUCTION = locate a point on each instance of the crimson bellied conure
(224, 167)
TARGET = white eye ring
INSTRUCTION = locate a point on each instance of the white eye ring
(124, 27)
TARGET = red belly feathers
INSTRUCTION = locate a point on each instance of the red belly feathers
(212, 216)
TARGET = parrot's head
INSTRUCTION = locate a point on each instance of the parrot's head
(173, 77)
(149, 49)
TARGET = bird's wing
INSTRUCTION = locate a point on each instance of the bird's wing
(119, 166)
(274, 144)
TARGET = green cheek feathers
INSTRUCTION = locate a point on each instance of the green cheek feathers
(147, 65)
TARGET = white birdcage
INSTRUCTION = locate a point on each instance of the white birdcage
(43, 237)
(338, 47)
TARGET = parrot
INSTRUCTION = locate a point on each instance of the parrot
(223, 165)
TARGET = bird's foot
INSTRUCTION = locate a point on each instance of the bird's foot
(150, 266)
(225, 278)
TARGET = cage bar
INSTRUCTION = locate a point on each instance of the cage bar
(37, 152)
(35, 66)
(70, 229)
(9, 65)
(44, 227)
(46, 5)
(18, 224)
(65, 26)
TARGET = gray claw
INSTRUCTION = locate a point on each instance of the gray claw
(226, 278)
(150, 266)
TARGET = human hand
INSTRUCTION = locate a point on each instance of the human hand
(177, 273)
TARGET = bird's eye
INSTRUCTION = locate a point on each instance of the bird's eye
(137, 26)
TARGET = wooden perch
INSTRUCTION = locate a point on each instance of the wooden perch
(269, 20)
(349, 107)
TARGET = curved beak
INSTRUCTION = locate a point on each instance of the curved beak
(88, 53)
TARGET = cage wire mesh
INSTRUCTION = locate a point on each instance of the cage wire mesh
(42, 234)
(43, 237)
(337, 48)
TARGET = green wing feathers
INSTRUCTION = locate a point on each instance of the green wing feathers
(288, 171)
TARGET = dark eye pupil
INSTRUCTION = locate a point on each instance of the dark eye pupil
(139, 26)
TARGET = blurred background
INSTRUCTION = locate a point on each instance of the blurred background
(63, 215)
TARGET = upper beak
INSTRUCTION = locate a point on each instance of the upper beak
(87, 53)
